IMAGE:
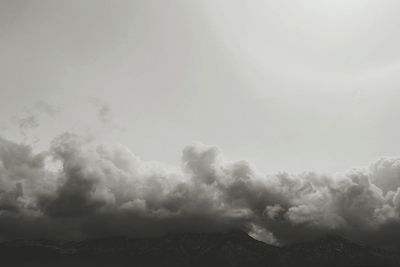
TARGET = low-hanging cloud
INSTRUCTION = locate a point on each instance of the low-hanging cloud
(103, 189)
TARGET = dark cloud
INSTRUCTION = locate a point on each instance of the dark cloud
(107, 190)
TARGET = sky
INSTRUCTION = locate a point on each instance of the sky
(288, 86)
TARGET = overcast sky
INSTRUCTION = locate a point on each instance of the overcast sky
(142, 117)
(287, 85)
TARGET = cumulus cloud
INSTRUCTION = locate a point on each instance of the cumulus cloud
(103, 189)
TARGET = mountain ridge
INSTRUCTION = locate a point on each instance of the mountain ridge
(230, 249)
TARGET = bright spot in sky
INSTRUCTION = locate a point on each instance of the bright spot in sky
(336, 7)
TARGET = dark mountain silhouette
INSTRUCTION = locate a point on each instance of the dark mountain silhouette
(228, 249)
(336, 251)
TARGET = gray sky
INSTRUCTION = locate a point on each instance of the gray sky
(287, 85)
(109, 92)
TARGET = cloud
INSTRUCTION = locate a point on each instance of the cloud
(25, 124)
(30, 118)
(103, 111)
(385, 173)
(104, 189)
(46, 108)
(105, 114)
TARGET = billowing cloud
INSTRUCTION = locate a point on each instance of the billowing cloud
(103, 189)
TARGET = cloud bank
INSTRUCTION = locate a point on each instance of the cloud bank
(102, 189)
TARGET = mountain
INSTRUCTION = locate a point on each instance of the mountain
(336, 251)
(228, 249)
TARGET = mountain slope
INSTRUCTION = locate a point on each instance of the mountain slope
(336, 251)
(227, 249)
